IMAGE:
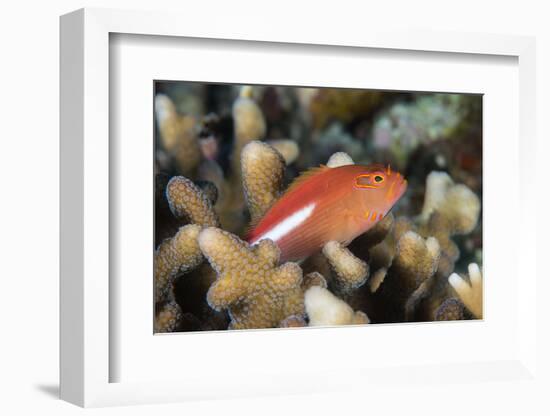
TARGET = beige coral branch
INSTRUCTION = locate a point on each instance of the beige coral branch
(416, 257)
(262, 171)
(249, 124)
(377, 278)
(459, 205)
(449, 209)
(462, 207)
(178, 135)
(168, 318)
(257, 292)
(399, 288)
(187, 200)
(470, 294)
(437, 185)
(175, 255)
(323, 309)
(351, 272)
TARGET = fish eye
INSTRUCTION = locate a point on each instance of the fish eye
(378, 178)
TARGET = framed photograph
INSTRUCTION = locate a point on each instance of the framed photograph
(270, 213)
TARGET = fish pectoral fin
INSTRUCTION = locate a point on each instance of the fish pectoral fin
(353, 219)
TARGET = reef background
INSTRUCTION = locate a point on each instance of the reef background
(201, 131)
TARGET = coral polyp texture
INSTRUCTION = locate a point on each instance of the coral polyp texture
(257, 291)
(189, 202)
(263, 173)
(228, 156)
(168, 318)
(175, 255)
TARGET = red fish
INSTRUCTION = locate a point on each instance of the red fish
(326, 204)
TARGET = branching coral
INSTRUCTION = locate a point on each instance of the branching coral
(351, 272)
(323, 308)
(397, 271)
(404, 260)
(411, 294)
(470, 294)
(249, 125)
(257, 292)
(181, 253)
(263, 169)
(188, 201)
(178, 135)
(175, 255)
(404, 284)
(457, 203)
(449, 209)
(169, 318)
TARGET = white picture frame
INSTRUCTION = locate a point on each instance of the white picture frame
(87, 356)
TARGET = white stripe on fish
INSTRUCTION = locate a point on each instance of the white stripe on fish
(286, 226)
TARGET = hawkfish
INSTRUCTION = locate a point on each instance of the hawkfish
(328, 204)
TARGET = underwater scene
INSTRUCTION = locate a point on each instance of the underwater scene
(281, 207)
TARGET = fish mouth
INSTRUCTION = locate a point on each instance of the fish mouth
(404, 184)
(396, 189)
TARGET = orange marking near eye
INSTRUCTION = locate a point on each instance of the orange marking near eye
(380, 216)
(373, 217)
(371, 184)
(389, 170)
(362, 185)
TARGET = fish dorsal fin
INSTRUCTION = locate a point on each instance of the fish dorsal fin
(304, 176)
(300, 179)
